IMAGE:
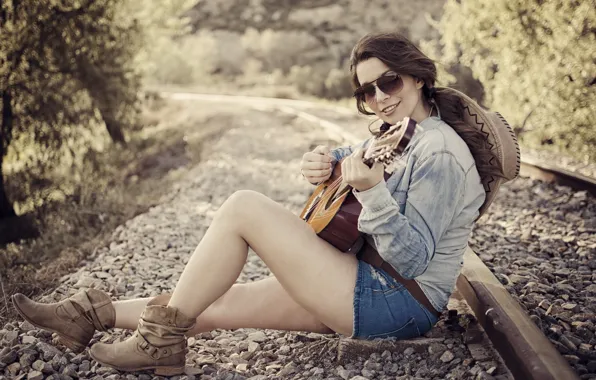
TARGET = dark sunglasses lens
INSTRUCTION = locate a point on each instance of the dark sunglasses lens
(390, 83)
(364, 92)
(369, 91)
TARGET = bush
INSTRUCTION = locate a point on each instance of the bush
(282, 50)
(535, 60)
(337, 84)
(189, 59)
(308, 80)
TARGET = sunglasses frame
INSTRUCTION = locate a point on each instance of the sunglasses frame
(387, 77)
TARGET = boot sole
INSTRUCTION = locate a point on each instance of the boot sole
(160, 371)
(74, 346)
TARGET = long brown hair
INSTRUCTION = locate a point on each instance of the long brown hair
(403, 57)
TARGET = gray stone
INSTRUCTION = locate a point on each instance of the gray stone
(47, 351)
(345, 373)
(42, 366)
(9, 358)
(27, 339)
(70, 370)
(14, 368)
(34, 375)
(447, 356)
(257, 336)
(11, 338)
(253, 347)
(27, 360)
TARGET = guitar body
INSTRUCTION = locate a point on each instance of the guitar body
(334, 214)
(332, 210)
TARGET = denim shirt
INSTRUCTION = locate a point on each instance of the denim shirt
(421, 218)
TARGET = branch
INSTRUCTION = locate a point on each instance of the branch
(74, 12)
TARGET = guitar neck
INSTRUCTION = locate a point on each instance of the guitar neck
(369, 162)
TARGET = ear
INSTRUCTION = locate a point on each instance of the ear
(419, 83)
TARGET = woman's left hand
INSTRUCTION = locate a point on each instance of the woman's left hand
(356, 174)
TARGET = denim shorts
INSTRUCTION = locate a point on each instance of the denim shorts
(384, 308)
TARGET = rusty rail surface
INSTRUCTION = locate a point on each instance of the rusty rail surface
(527, 352)
(552, 174)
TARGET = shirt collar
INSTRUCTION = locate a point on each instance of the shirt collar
(427, 124)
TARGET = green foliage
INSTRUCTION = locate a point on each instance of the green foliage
(307, 80)
(536, 61)
(69, 71)
(320, 81)
(282, 50)
(67, 64)
(188, 59)
(162, 24)
(337, 84)
(65, 67)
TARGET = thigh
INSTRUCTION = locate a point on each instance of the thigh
(314, 273)
(263, 304)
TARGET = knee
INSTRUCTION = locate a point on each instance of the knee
(240, 205)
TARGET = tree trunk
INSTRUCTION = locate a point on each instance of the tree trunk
(113, 126)
(91, 80)
(6, 209)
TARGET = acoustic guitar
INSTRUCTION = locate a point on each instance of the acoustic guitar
(332, 210)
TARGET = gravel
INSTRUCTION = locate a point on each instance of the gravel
(540, 242)
(528, 223)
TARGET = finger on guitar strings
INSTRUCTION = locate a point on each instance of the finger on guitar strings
(317, 165)
(347, 167)
(316, 173)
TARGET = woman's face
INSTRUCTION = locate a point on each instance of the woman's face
(403, 92)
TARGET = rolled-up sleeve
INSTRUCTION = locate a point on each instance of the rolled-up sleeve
(339, 153)
(407, 241)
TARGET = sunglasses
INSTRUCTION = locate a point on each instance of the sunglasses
(389, 83)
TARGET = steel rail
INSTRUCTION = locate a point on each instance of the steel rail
(527, 352)
(553, 174)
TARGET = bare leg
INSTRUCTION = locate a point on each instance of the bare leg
(316, 275)
(260, 304)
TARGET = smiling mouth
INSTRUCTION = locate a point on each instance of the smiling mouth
(390, 108)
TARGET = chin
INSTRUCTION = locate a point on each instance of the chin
(392, 119)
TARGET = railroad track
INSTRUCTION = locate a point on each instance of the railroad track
(524, 349)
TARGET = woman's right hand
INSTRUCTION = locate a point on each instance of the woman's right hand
(316, 165)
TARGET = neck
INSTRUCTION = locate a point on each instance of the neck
(423, 110)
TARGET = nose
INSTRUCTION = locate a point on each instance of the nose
(380, 95)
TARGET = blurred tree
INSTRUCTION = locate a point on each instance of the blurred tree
(332, 26)
(64, 63)
(161, 23)
(536, 61)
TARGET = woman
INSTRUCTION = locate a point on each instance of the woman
(419, 221)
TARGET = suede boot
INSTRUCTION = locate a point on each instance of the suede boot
(74, 319)
(159, 343)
